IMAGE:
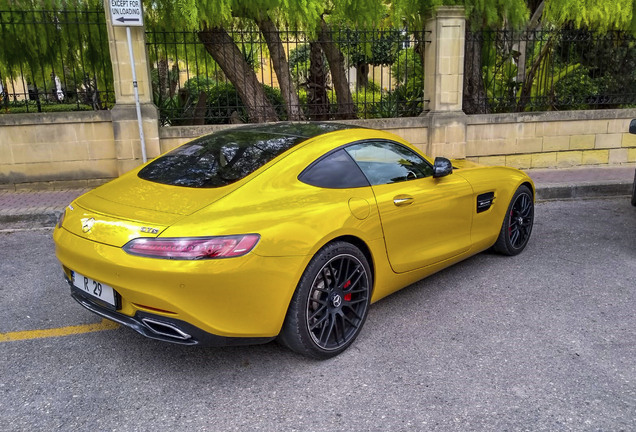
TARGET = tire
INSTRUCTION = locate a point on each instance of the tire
(517, 225)
(330, 304)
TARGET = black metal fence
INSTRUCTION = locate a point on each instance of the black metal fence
(383, 69)
(551, 70)
(54, 60)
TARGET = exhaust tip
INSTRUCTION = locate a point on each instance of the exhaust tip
(165, 329)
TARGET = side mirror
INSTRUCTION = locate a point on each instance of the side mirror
(442, 167)
(632, 127)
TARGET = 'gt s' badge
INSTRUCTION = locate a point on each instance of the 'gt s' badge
(87, 224)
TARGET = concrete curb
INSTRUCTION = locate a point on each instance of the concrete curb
(47, 218)
(598, 189)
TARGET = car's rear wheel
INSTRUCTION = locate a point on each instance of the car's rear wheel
(330, 304)
(517, 225)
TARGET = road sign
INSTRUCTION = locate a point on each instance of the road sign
(129, 13)
(126, 13)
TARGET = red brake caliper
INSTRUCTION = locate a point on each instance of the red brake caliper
(347, 296)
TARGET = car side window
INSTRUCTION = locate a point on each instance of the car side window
(385, 162)
(335, 171)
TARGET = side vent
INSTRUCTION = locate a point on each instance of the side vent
(484, 201)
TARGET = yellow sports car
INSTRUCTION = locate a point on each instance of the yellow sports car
(285, 230)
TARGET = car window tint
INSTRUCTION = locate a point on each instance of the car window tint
(218, 159)
(336, 171)
(385, 162)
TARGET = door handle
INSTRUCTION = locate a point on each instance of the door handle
(403, 200)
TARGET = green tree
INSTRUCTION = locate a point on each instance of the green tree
(214, 17)
(599, 15)
(360, 14)
(44, 39)
(369, 47)
(480, 14)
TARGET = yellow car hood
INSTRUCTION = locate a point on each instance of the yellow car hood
(130, 207)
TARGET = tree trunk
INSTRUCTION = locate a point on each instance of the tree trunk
(225, 52)
(474, 100)
(162, 78)
(526, 91)
(532, 25)
(346, 107)
(317, 84)
(174, 79)
(281, 67)
(362, 75)
(200, 108)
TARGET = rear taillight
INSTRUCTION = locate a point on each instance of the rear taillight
(193, 248)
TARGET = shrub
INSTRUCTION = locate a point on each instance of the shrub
(199, 83)
(223, 100)
(408, 68)
(406, 100)
(575, 89)
(366, 102)
(21, 108)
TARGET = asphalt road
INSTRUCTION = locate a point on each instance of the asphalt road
(540, 342)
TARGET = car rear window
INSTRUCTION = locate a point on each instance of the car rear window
(225, 157)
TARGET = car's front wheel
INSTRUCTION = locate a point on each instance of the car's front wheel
(330, 304)
(517, 225)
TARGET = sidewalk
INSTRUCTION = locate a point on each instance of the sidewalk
(586, 182)
(27, 209)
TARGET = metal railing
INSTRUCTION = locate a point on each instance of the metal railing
(383, 69)
(552, 70)
(54, 60)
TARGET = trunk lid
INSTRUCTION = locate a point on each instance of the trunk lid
(130, 207)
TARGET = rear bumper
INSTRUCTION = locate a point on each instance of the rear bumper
(245, 297)
(163, 328)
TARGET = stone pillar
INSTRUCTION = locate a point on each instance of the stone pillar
(124, 116)
(444, 82)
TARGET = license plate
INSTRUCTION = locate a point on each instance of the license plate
(94, 288)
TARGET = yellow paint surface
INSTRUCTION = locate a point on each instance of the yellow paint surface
(57, 332)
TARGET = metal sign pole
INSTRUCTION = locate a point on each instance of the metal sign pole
(130, 13)
(135, 88)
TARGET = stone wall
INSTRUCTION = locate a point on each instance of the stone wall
(56, 150)
(552, 139)
(521, 140)
(60, 150)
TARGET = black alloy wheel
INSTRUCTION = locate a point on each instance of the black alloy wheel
(337, 302)
(330, 304)
(517, 225)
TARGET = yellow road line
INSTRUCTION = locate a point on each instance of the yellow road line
(57, 332)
